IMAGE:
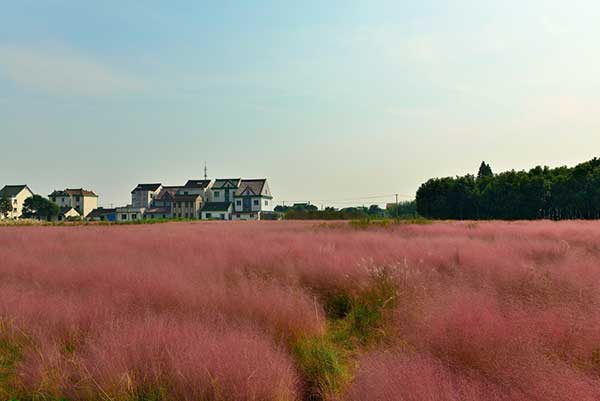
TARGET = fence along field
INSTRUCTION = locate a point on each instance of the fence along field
(291, 311)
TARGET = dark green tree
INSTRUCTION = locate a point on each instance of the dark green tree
(37, 207)
(484, 170)
(375, 211)
(5, 206)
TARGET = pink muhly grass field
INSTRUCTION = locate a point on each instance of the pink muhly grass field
(210, 311)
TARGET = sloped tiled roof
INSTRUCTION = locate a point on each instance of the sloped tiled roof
(80, 192)
(201, 184)
(73, 192)
(12, 190)
(66, 209)
(184, 198)
(167, 193)
(146, 187)
(251, 187)
(217, 206)
(226, 183)
(57, 193)
(100, 212)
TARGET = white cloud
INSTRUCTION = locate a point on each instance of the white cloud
(62, 71)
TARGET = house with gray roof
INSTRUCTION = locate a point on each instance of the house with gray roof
(252, 198)
(16, 195)
(224, 189)
(143, 195)
(217, 211)
(82, 200)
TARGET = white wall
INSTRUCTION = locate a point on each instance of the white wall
(17, 203)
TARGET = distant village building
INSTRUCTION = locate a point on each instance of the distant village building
(222, 199)
(187, 206)
(252, 198)
(129, 213)
(102, 214)
(66, 213)
(217, 211)
(82, 200)
(16, 194)
(143, 195)
(196, 187)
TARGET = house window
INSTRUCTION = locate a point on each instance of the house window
(251, 215)
(164, 216)
(238, 203)
(134, 216)
(77, 198)
(208, 215)
(217, 194)
(185, 192)
(266, 203)
(123, 217)
(256, 202)
(222, 216)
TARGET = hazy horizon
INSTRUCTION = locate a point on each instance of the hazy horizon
(332, 102)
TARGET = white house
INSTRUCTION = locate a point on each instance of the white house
(196, 187)
(252, 198)
(217, 211)
(67, 213)
(143, 195)
(82, 200)
(16, 194)
(224, 189)
(130, 213)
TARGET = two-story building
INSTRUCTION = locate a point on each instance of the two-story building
(252, 198)
(143, 195)
(162, 205)
(196, 187)
(83, 201)
(16, 195)
(187, 206)
(224, 189)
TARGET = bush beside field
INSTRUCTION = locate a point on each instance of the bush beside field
(295, 311)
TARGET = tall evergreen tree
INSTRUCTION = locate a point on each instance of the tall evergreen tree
(484, 170)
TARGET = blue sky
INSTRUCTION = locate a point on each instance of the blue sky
(334, 100)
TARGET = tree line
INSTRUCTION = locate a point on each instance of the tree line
(305, 211)
(540, 193)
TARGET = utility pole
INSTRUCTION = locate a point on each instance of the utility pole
(205, 171)
(397, 216)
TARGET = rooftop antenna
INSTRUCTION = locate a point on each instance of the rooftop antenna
(205, 172)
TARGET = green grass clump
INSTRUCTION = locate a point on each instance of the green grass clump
(324, 366)
(353, 321)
